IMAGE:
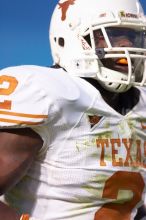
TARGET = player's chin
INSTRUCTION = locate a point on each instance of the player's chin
(121, 68)
(113, 65)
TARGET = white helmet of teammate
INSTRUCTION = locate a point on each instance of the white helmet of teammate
(78, 26)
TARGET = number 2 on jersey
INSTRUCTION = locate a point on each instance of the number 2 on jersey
(11, 84)
(121, 180)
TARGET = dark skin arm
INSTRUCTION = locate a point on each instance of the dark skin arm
(18, 148)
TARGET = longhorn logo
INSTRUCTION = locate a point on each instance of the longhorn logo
(64, 7)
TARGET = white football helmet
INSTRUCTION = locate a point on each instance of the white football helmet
(73, 35)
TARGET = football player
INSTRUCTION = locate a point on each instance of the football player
(73, 137)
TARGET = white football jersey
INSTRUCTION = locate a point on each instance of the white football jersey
(92, 163)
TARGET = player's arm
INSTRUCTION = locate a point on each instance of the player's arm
(18, 148)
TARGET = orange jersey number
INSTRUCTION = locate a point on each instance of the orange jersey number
(8, 85)
(121, 180)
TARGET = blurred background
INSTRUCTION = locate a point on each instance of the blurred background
(24, 32)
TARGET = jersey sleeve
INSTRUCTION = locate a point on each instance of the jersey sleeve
(23, 100)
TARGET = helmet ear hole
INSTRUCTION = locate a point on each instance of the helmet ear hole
(61, 41)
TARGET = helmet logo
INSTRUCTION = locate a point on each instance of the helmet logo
(128, 15)
(64, 7)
